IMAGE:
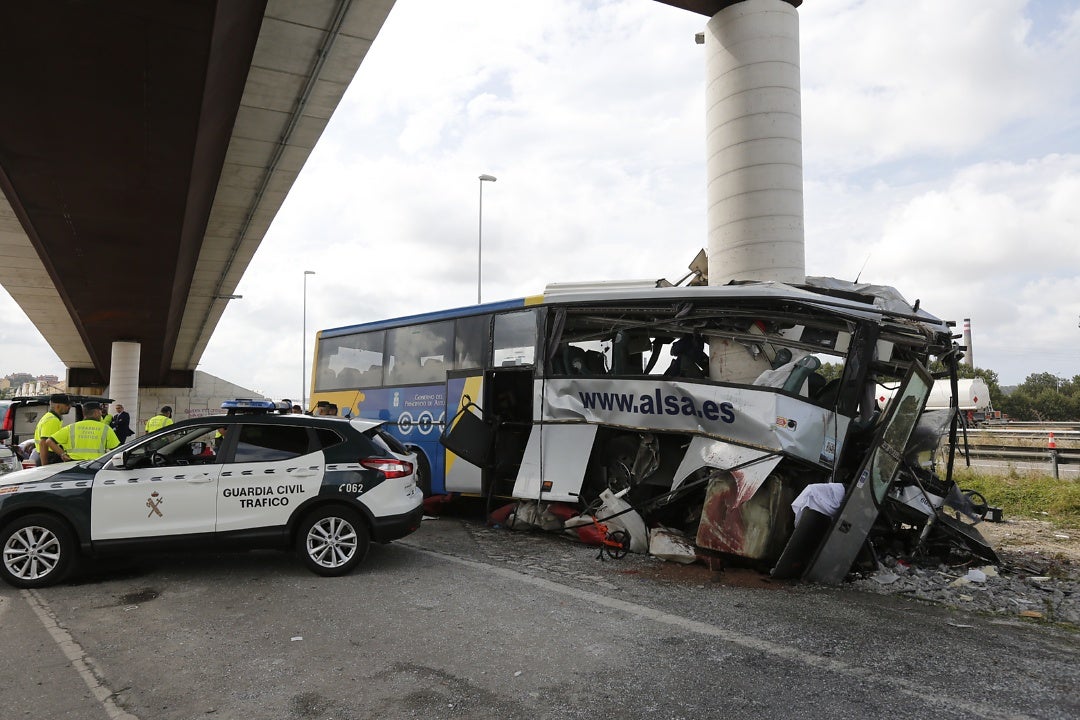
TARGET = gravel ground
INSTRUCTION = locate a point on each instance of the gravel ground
(1038, 577)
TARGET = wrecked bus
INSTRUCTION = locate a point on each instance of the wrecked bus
(701, 409)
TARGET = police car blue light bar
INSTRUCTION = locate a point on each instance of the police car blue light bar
(249, 404)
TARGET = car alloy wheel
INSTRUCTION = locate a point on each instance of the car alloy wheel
(333, 541)
(38, 551)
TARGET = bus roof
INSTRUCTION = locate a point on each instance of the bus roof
(831, 295)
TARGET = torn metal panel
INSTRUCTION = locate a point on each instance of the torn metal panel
(554, 464)
(745, 511)
(706, 452)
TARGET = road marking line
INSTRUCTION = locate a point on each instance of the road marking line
(752, 643)
(83, 663)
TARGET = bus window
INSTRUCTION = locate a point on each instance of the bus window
(514, 339)
(419, 353)
(350, 361)
(471, 342)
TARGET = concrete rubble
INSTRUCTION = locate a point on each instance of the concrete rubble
(1016, 588)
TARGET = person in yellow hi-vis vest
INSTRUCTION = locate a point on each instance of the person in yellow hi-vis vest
(85, 440)
(162, 419)
(50, 422)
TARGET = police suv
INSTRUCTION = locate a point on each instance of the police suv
(326, 486)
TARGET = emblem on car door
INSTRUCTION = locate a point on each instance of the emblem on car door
(153, 502)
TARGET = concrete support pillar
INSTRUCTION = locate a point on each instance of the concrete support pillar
(754, 157)
(124, 377)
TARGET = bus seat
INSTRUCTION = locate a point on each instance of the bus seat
(594, 363)
(688, 358)
(348, 377)
(574, 357)
(558, 365)
(434, 369)
(369, 378)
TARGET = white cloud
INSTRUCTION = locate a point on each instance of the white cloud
(884, 82)
(997, 243)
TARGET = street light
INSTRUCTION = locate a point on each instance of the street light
(480, 234)
(303, 341)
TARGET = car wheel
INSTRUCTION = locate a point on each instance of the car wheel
(332, 540)
(38, 550)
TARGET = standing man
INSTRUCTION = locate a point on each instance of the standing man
(85, 440)
(50, 422)
(161, 420)
(121, 424)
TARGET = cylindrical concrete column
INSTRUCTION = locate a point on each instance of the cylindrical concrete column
(124, 377)
(754, 157)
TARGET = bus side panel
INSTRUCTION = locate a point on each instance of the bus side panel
(460, 475)
(414, 415)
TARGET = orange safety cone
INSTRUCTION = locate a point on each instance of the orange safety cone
(1051, 444)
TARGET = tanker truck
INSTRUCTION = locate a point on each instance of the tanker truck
(972, 397)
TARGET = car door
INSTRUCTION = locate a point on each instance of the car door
(164, 485)
(272, 469)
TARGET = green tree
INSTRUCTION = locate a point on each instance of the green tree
(831, 371)
(1038, 382)
(1044, 397)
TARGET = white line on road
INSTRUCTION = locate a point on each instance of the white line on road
(82, 662)
(785, 652)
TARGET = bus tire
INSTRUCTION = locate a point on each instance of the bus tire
(332, 540)
(423, 471)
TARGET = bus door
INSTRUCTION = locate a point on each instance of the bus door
(866, 491)
(509, 405)
(462, 387)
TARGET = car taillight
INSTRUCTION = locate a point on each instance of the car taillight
(9, 419)
(391, 468)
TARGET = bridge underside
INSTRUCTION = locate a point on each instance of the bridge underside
(144, 150)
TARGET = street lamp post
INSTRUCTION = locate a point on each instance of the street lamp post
(480, 234)
(303, 362)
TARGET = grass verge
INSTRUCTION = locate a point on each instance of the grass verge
(1036, 496)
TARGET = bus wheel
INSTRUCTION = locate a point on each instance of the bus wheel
(332, 540)
(423, 472)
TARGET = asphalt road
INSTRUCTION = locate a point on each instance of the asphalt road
(461, 621)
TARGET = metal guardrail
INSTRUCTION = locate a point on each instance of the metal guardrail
(1027, 447)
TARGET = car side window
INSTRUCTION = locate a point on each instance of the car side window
(327, 438)
(193, 445)
(267, 443)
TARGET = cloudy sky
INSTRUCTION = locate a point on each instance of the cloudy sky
(941, 155)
